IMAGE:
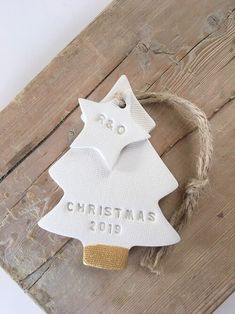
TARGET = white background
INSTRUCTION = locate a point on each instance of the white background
(32, 32)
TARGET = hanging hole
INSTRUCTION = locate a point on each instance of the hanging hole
(120, 100)
(122, 104)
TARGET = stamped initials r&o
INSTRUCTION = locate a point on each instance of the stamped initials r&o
(109, 124)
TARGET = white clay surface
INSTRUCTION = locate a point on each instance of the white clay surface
(113, 207)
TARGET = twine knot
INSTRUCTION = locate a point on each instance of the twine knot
(197, 184)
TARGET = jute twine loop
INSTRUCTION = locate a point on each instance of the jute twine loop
(195, 186)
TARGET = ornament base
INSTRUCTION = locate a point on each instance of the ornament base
(105, 256)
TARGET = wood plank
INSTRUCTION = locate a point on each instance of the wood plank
(27, 174)
(88, 60)
(201, 69)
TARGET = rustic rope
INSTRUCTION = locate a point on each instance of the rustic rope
(195, 186)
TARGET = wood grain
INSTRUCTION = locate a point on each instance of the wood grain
(185, 47)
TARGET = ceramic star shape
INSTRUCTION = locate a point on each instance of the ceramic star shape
(108, 129)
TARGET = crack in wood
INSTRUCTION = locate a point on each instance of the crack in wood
(31, 279)
(229, 61)
(215, 112)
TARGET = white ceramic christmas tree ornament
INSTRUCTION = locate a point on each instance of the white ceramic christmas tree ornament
(112, 182)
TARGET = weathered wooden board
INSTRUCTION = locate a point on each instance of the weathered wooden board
(186, 47)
